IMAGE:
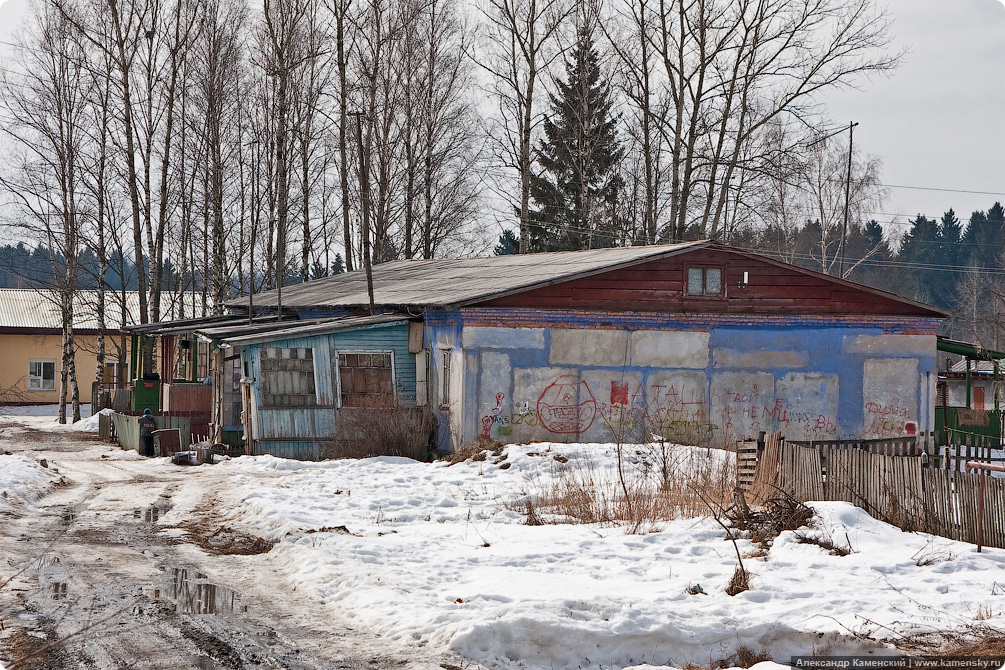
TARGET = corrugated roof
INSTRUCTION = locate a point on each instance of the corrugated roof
(39, 309)
(459, 281)
(320, 327)
(982, 367)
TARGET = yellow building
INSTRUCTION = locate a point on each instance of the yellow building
(31, 343)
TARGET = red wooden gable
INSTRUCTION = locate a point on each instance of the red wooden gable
(659, 286)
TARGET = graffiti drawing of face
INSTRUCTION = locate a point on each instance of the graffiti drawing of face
(567, 406)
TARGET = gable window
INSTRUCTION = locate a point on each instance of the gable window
(366, 379)
(704, 281)
(288, 377)
(41, 375)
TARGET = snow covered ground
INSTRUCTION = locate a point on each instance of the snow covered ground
(440, 556)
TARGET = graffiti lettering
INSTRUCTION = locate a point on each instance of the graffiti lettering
(886, 410)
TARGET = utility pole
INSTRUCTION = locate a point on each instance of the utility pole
(364, 187)
(254, 228)
(847, 197)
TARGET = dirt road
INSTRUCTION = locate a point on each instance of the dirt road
(126, 564)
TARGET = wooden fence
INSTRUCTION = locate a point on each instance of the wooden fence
(896, 489)
(963, 445)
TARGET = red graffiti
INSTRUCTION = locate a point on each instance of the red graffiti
(619, 392)
(825, 424)
(498, 408)
(885, 410)
(567, 406)
(486, 428)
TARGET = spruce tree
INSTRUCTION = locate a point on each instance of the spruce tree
(577, 191)
(920, 244)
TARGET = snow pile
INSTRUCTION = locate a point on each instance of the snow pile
(90, 424)
(23, 479)
(440, 555)
(44, 418)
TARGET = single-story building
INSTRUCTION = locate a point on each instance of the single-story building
(696, 342)
(31, 344)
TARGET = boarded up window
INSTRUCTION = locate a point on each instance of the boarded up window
(366, 379)
(288, 377)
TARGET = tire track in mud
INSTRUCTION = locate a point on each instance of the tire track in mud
(105, 581)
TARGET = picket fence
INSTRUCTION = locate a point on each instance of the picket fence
(896, 489)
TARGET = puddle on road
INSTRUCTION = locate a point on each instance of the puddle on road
(150, 515)
(57, 590)
(192, 594)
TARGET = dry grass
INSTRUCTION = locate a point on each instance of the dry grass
(992, 645)
(640, 496)
(739, 583)
(825, 542)
(479, 451)
(382, 430)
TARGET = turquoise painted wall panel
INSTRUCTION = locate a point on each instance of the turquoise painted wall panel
(273, 428)
(299, 450)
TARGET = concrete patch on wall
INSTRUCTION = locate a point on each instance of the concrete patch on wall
(890, 345)
(670, 349)
(744, 403)
(759, 360)
(678, 406)
(589, 347)
(620, 404)
(810, 405)
(495, 402)
(503, 338)
(889, 391)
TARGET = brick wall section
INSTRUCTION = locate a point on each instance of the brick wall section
(544, 318)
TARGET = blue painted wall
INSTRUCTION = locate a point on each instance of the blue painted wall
(579, 376)
(297, 432)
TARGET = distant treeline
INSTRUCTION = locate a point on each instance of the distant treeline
(952, 264)
(24, 267)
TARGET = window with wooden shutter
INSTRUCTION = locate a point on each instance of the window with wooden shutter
(366, 379)
(288, 377)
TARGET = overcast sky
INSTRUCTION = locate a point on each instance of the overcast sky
(938, 122)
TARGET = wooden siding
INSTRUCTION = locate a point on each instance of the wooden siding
(659, 286)
(273, 425)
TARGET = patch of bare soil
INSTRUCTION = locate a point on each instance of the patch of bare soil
(226, 541)
(37, 649)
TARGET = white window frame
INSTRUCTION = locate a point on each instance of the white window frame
(36, 383)
(338, 370)
(114, 365)
(704, 281)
